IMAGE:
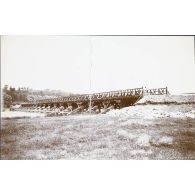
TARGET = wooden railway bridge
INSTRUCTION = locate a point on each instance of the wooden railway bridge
(114, 99)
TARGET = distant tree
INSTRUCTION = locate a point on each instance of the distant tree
(5, 88)
(12, 89)
(7, 100)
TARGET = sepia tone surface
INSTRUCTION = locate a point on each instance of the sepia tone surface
(85, 97)
(137, 132)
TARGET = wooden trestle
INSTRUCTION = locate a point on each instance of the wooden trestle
(114, 99)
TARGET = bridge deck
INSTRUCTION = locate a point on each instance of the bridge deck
(135, 93)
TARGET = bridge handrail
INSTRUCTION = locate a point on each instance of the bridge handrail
(103, 95)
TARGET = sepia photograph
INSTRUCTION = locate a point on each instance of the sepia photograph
(97, 97)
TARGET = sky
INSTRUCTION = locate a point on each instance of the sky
(111, 62)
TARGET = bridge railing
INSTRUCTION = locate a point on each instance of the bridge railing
(105, 95)
(95, 96)
(159, 91)
(119, 93)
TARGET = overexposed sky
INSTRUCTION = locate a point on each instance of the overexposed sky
(119, 62)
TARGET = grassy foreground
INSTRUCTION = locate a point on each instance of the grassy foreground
(97, 137)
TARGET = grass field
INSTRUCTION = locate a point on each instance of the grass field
(156, 132)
